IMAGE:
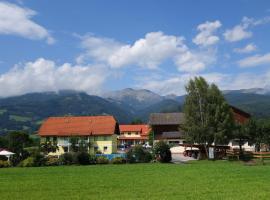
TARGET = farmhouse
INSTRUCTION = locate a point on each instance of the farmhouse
(166, 126)
(98, 132)
(133, 134)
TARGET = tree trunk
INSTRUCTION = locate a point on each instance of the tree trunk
(206, 151)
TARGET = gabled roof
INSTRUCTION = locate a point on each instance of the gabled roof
(142, 128)
(78, 126)
(239, 115)
(166, 118)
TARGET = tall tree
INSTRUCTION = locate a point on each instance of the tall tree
(208, 117)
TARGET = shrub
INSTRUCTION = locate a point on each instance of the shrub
(4, 163)
(66, 159)
(92, 159)
(52, 161)
(118, 160)
(102, 160)
(148, 157)
(28, 162)
(32, 150)
(3, 158)
(83, 158)
(138, 154)
(162, 152)
(39, 159)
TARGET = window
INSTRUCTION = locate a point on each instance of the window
(105, 148)
(136, 133)
(65, 149)
(129, 133)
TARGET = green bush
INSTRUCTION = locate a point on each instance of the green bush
(52, 161)
(138, 154)
(118, 160)
(4, 163)
(39, 159)
(3, 158)
(28, 162)
(92, 159)
(66, 159)
(102, 160)
(83, 158)
(162, 152)
(32, 150)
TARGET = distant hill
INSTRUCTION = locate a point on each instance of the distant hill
(257, 105)
(26, 112)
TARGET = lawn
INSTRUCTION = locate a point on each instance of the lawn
(199, 180)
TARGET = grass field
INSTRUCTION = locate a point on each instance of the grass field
(199, 180)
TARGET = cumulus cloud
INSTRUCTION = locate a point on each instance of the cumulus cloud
(149, 52)
(195, 61)
(176, 84)
(45, 75)
(256, 60)
(206, 36)
(247, 49)
(15, 20)
(240, 32)
(237, 33)
(146, 52)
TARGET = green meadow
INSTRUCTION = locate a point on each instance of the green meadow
(197, 180)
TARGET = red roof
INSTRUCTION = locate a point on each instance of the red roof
(142, 128)
(78, 126)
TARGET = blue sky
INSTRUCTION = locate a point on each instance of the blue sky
(98, 46)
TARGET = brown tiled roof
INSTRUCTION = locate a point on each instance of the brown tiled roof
(142, 128)
(240, 116)
(78, 126)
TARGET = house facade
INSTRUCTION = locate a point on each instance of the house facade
(166, 126)
(97, 133)
(133, 134)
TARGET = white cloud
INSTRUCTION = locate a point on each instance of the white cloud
(247, 49)
(176, 84)
(206, 36)
(149, 52)
(15, 20)
(237, 33)
(240, 32)
(195, 61)
(45, 75)
(254, 61)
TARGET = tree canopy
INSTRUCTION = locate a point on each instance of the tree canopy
(208, 117)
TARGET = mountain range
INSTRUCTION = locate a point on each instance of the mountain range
(26, 112)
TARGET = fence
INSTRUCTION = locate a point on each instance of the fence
(235, 154)
(261, 155)
(112, 156)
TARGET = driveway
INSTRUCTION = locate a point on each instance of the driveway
(179, 158)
